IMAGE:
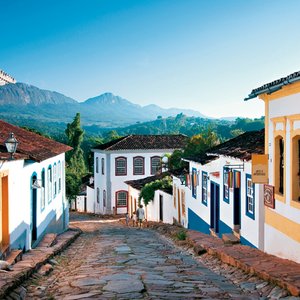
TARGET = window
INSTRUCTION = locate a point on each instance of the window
(121, 198)
(97, 164)
(104, 198)
(59, 176)
(155, 165)
(43, 202)
(121, 166)
(138, 165)
(54, 180)
(296, 168)
(183, 202)
(279, 165)
(226, 185)
(49, 184)
(98, 195)
(102, 166)
(204, 188)
(194, 183)
(249, 197)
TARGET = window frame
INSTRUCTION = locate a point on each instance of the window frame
(98, 195)
(102, 165)
(117, 199)
(43, 190)
(151, 165)
(49, 184)
(204, 188)
(117, 159)
(142, 166)
(194, 183)
(251, 195)
(226, 191)
(97, 164)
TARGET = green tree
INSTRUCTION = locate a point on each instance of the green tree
(76, 167)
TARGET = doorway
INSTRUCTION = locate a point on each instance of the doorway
(4, 214)
(33, 211)
(214, 206)
(161, 217)
(237, 201)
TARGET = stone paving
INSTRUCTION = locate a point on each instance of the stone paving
(111, 261)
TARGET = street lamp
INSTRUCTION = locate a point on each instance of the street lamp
(11, 145)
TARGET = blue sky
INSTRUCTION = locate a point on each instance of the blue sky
(203, 55)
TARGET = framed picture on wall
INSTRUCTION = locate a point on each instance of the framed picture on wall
(269, 199)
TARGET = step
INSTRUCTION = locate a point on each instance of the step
(14, 256)
(48, 240)
(4, 251)
(230, 238)
(212, 232)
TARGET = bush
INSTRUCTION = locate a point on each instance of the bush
(181, 235)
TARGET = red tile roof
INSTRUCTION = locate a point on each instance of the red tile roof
(242, 146)
(146, 142)
(31, 145)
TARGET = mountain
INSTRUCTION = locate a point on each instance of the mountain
(21, 104)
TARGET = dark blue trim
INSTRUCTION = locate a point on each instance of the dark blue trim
(202, 201)
(194, 184)
(224, 228)
(246, 242)
(196, 223)
(55, 181)
(225, 170)
(43, 170)
(49, 183)
(248, 213)
(59, 177)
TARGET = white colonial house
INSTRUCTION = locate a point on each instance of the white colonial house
(128, 158)
(220, 197)
(282, 145)
(32, 197)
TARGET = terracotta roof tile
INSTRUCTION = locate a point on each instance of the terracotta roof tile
(32, 145)
(242, 146)
(144, 142)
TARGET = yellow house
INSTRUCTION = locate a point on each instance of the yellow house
(282, 144)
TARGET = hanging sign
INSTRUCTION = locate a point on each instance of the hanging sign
(260, 168)
(269, 199)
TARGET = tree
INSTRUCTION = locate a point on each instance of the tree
(76, 167)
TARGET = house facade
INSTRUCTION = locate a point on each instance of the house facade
(32, 197)
(128, 158)
(220, 197)
(282, 145)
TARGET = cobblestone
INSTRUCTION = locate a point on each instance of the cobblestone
(111, 261)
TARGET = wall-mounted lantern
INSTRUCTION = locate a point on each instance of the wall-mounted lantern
(11, 145)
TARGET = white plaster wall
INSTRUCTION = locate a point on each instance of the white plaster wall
(284, 106)
(279, 244)
(20, 196)
(114, 183)
(80, 203)
(90, 198)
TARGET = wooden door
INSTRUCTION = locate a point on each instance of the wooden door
(4, 213)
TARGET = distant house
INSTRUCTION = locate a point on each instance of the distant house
(5, 78)
(128, 158)
(220, 197)
(160, 208)
(282, 145)
(32, 197)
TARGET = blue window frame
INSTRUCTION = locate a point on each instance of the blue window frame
(194, 183)
(204, 187)
(225, 185)
(250, 197)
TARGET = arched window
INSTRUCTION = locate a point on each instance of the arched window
(97, 165)
(54, 180)
(59, 176)
(121, 197)
(155, 165)
(43, 202)
(49, 184)
(98, 195)
(121, 166)
(102, 166)
(138, 165)
(279, 165)
(104, 198)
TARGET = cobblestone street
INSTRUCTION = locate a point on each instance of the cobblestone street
(111, 261)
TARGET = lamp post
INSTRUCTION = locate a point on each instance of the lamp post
(11, 145)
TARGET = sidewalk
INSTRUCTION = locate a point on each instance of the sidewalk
(33, 260)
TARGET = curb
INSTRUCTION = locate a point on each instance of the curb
(33, 260)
